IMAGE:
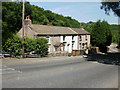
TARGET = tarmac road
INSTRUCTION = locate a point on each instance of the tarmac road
(73, 72)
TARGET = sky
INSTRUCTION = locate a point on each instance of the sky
(81, 11)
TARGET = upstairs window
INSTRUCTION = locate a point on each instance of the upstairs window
(72, 37)
(80, 38)
(63, 38)
(86, 37)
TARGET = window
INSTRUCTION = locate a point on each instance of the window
(72, 37)
(48, 38)
(72, 46)
(80, 38)
(80, 45)
(86, 37)
(63, 38)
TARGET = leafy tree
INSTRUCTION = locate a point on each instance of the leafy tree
(87, 26)
(41, 46)
(114, 32)
(13, 45)
(101, 35)
(115, 7)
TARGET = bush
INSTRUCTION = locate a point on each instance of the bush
(13, 45)
(41, 47)
(29, 45)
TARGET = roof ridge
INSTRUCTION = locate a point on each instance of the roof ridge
(51, 26)
(73, 30)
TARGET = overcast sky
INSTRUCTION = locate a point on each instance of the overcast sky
(81, 11)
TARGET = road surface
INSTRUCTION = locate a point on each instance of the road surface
(66, 73)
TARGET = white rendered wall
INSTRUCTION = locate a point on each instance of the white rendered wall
(68, 44)
(75, 39)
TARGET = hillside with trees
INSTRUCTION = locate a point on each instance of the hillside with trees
(113, 27)
(12, 18)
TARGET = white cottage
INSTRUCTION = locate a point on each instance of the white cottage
(60, 39)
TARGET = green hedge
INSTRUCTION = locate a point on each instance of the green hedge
(14, 46)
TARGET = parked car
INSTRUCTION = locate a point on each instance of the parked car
(1, 55)
(33, 56)
(7, 54)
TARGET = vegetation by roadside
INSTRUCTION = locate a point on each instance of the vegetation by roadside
(14, 46)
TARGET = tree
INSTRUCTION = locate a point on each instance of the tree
(41, 46)
(115, 7)
(101, 35)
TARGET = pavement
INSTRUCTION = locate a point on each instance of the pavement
(11, 61)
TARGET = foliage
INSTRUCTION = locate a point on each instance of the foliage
(13, 45)
(41, 46)
(101, 35)
(12, 18)
(28, 45)
(87, 26)
(114, 29)
(115, 7)
(114, 32)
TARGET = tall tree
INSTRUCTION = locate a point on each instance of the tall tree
(101, 35)
(115, 7)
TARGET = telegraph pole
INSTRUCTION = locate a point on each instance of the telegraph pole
(23, 10)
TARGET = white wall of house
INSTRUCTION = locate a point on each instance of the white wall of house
(67, 40)
(70, 42)
(75, 42)
(84, 42)
(88, 37)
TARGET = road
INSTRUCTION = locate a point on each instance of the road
(66, 73)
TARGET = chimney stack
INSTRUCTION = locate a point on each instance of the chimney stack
(28, 21)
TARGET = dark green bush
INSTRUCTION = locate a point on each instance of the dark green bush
(41, 46)
(13, 45)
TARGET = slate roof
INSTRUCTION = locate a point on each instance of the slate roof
(52, 30)
(80, 31)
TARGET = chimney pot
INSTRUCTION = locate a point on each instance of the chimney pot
(28, 21)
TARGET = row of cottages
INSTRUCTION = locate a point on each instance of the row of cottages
(60, 39)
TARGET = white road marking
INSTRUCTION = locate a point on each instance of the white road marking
(7, 70)
(94, 62)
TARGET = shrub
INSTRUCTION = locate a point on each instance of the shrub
(13, 45)
(28, 45)
(41, 46)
